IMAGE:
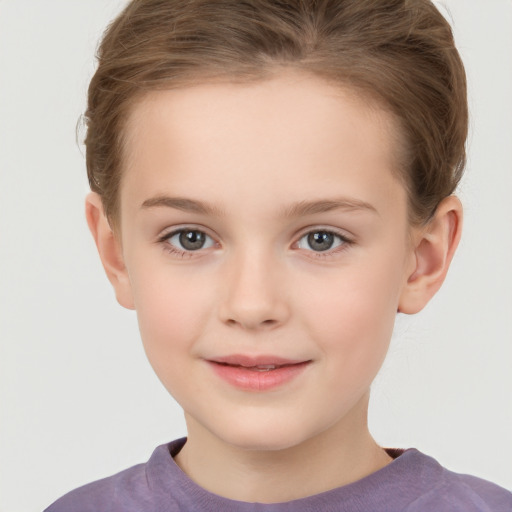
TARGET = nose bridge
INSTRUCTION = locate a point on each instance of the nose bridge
(254, 296)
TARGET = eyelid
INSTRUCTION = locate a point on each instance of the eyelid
(164, 237)
(346, 241)
(343, 234)
(172, 230)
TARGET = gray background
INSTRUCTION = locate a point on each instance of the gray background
(78, 399)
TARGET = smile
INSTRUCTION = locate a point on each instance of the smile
(259, 367)
(258, 374)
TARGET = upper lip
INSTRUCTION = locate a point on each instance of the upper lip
(255, 360)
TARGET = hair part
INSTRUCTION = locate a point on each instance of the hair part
(400, 53)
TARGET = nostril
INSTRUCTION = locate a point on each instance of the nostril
(252, 324)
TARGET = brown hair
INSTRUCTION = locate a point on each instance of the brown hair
(398, 51)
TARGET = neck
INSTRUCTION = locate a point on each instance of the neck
(338, 456)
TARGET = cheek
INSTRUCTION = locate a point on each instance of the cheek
(352, 319)
(172, 309)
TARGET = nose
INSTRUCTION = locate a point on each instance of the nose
(254, 293)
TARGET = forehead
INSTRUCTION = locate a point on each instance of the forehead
(286, 137)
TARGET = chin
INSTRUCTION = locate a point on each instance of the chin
(263, 436)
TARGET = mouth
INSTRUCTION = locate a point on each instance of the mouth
(259, 373)
(258, 367)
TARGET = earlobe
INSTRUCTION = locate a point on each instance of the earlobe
(109, 249)
(434, 247)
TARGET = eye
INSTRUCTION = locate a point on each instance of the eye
(321, 241)
(187, 240)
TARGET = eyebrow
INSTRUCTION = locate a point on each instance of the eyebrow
(183, 204)
(302, 208)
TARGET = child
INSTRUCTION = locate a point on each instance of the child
(271, 183)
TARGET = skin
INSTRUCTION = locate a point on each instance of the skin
(252, 153)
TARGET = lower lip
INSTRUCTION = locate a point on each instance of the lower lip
(254, 380)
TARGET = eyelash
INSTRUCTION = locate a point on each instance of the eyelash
(344, 242)
(171, 249)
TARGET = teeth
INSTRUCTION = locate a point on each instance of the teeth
(265, 367)
(257, 368)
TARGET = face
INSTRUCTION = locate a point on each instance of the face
(265, 240)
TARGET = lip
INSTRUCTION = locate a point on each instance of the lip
(257, 373)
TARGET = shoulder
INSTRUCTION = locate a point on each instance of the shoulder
(135, 489)
(446, 491)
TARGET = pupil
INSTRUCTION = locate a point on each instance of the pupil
(321, 240)
(192, 240)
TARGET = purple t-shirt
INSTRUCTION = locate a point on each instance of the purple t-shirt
(413, 482)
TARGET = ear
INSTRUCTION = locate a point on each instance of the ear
(433, 250)
(109, 249)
